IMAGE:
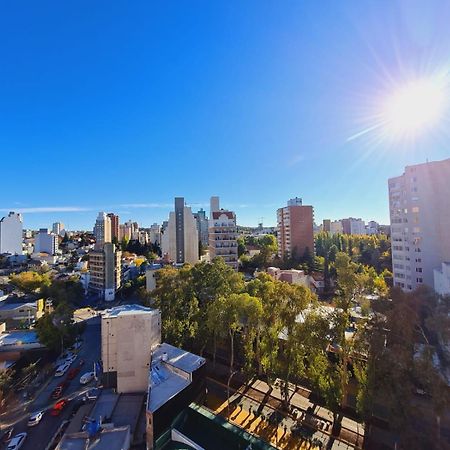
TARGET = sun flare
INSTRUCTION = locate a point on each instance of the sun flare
(416, 107)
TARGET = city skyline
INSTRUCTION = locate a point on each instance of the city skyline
(289, 100)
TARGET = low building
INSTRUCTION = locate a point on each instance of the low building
(19, 341)
(176, 378)
(107, 438)
(442, 279)
(13, 313)
(292, 276)
(150, 277)
(129, 333)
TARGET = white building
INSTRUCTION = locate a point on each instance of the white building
(46, 242)
(154, 235)
(102, 229)
(442, 279)
(179, 241)
(353, 226)
(419, 203)
(11, 229)
(129, 333)
(223, 235)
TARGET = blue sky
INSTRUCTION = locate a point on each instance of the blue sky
(120, 106)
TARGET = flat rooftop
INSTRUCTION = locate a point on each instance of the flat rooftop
(177, 357)
(18, 338)
(113, 439)
(128, 310)
(170, 373)
(6, 306)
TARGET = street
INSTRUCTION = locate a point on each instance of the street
(39, 436)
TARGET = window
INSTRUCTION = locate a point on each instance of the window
(418, 259)
(419, 269)
(419, 280)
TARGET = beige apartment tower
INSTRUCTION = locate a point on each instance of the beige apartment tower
(129, 333)
(105, 271)
(419, 204)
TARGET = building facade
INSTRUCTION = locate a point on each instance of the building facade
(295, 231)
(11, 230)
(58, 228)
(442, 279)
(223, 237)
(102, 229)
(420, 223)
(179, 241)
(105, 271)
(114, 218)
(353, 226)
(46, 242)
(129, 333)
(202, 227)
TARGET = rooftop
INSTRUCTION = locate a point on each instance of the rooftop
(19, 340)
(127, 310)
(107, 439)
(170, 373)
(6, 306)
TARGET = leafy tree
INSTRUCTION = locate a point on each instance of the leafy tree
(30, 281)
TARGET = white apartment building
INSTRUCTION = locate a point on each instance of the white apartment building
(419, 203)
(179, 242)
(102, 229)
(129, 333)
(11, 229)
(46, 242)
(353, 226)
(223, 237)
(442, 279)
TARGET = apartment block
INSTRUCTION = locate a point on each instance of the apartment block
(105, 271)
(223, 237)
(420, 223)
(179, 240)
(102, 229)
(295, 231)
(11, 230)
(129, 333)
(46, 242)
(202, 227)
(353, 226)
(114, 219)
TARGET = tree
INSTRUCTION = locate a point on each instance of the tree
(175, 297)
(30, 281)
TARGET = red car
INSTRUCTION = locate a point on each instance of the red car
(73, 373)
(59, 390)
(58, 407)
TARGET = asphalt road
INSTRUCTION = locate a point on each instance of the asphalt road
(39, 436)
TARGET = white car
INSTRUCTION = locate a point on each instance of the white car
(61, 370)
(35, 418)
(70, 359)
(76, 346)
(87, 378)
(17, 441)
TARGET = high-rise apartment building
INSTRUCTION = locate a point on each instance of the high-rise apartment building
(353, 226)
(295, 230)
(202, 227)
(11, 230)
(105, 271)
(129, 333)
(419, 204)
(114, 218)
(326, 225)
(180, 239)
(213, 205)
(102, 230)
(46, 242)
(223, 236)
(58, 228)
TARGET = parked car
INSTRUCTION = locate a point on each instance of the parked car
(58, 391)
(58, 407)
(75, 347)
(73, 373)
(92, 394)
(61, 370)
(35, 418)
(71, 358)
(7, 435)
(17, 441)
(87, 378)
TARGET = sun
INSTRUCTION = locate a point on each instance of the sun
(415, 107)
